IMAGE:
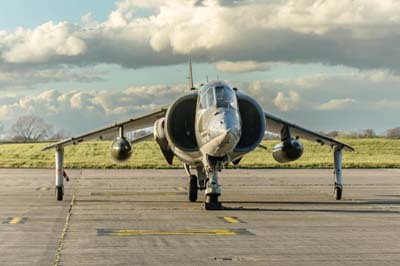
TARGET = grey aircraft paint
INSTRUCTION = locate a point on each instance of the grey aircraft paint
(207, 129)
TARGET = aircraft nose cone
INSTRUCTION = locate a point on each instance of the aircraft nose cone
(228, 137)
(224, 122)
(224, 143)
(225, 132)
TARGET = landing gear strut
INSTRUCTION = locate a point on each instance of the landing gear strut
(338, 187)
(59, 173)
(213, 190)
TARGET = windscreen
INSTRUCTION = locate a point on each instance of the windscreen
(217, 94)
(207, 98)
(225, 97)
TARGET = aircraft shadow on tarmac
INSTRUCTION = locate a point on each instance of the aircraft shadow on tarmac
(338, 203)
(375, 203)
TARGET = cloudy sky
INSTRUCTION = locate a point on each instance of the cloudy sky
(84, 64)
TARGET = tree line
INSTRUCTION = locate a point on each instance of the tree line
(392, 133)
(33, 128)
(30, 128)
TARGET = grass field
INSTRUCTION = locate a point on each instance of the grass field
(370, 153)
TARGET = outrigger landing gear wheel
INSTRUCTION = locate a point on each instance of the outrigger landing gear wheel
(59, 193)
(212, 203)
(193, 188)
(337, 193)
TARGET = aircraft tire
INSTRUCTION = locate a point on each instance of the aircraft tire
(193, 189)
(212, 203)
(59, 193)
(337, 194)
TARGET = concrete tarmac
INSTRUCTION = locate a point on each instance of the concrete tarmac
(143, 217)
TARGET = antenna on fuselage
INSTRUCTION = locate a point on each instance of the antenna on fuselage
(191, 86)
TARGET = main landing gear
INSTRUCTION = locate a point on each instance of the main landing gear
(193, 184)
(338, 187)
(193, 188)
(59, 174)
(59, 193)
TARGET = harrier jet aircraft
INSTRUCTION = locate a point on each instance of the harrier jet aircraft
(207, 129)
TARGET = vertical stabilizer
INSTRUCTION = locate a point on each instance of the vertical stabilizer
(191, 87)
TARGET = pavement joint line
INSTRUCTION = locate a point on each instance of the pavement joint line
(185, 232)
(66, 224)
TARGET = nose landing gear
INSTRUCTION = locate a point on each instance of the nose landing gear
(207, 180)
(211, 202)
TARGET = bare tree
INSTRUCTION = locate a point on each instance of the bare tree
(333, 134)
(393, 133)
(60, 135)
(29, 127)
(368, 133)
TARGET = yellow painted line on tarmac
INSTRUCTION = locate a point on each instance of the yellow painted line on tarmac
(191, 232)
(15, 220)
(43, 188)
(232, 220)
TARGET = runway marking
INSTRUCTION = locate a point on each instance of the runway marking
(43, 188)
(187, 232)
(15, 220)
(231, 219)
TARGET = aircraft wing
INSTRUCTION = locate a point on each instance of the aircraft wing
(275, 125)
(113, 130)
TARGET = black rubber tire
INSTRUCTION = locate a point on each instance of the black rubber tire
(193, 188)
(212, 198)
(212, 203)
(59, 193)
(337, 194)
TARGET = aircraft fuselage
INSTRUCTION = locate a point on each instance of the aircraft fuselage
(217, 123)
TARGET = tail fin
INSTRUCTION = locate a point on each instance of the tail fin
(191, 86)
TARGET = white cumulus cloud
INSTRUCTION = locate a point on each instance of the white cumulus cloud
(358, 33)
(241, 66)
(336, 104)
(286, 103)
(43, 43)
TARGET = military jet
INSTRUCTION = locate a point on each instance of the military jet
(207, 129)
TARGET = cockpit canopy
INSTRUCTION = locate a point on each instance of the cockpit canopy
(217, 94)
